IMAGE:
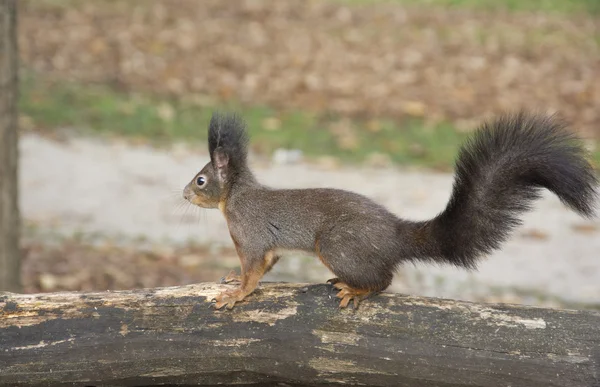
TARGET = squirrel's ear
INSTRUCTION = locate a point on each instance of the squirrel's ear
(221, 161)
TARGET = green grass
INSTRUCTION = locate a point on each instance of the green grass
(99, 110)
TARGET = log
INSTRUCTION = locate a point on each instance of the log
(289, 334)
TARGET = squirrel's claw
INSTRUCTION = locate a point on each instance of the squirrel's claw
(333, 281)
(227, 298)
(356, 299)
(231, 277)
(219, 305)
(347, 294)
(345, 300)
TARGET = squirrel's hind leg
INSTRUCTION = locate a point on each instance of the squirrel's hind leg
(357, 275)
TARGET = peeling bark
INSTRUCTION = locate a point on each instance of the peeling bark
(292, 334)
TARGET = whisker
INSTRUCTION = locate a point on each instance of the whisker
(185, 213)
(179, 210)
(198, 213)
(178, 205)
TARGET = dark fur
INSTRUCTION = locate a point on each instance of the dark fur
(499, 172)
(228, 133)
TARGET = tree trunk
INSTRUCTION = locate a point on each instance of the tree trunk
(290, 334)
(10, 260)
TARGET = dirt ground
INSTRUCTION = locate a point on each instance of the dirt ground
(103, 215)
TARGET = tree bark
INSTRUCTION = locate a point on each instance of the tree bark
(293, 334)
(10, 260)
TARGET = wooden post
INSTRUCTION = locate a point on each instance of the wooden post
(293, 334)
(10, 260)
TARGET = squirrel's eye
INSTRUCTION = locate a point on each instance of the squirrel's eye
(200, 181)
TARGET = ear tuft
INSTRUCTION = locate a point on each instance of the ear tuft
(227, 134)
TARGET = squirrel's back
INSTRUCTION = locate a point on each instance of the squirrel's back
(294, 218)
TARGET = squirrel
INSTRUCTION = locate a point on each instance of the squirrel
(499, 172)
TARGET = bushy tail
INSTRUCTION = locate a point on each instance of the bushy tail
(499, 173)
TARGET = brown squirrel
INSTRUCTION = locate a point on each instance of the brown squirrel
(499, 173)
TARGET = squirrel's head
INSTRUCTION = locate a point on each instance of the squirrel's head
(228, 147)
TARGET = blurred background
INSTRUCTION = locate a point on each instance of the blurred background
(372, 96)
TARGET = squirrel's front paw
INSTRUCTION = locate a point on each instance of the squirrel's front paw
(228, 298)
